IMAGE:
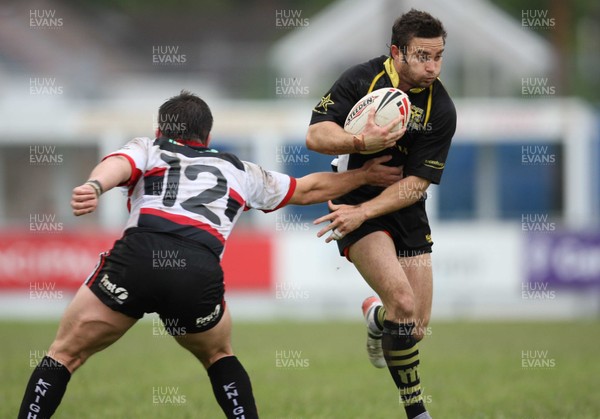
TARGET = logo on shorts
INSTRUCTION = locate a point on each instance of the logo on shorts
(202, 321)
(119, 294)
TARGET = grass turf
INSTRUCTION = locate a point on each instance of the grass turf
(320, 370)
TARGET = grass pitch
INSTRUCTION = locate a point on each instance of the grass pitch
(320, 370)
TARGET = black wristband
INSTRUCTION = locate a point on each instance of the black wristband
(96, 185)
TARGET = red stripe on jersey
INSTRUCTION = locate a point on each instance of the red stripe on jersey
(156, 171)
(183, 220)
(236, 196)
(135, 172)
(287, 196)
(191, 143)
(129, 193)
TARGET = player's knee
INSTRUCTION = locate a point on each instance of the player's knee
(207, 358)
(402, 307)
(206, 352)
(216, 356)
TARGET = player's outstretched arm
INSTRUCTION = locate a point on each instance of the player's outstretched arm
(327, 137)
(347, 218)
(111, 172)
(321, 186)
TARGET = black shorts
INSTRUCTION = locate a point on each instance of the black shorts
(408, 228)
(150, 272)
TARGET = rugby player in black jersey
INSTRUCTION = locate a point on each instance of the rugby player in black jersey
(385, 231)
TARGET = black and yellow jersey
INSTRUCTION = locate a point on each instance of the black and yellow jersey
(423, 148)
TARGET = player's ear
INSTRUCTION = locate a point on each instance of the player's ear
(395, 51)
(208, 138)
(158, 133)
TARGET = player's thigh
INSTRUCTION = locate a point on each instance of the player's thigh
(419, 273)
(211, 345)
(376, 259)
(87, 326)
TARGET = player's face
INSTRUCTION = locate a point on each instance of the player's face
(422, 62)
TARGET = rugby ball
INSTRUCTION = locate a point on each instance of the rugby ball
(389, 103)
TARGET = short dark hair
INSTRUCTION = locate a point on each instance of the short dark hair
(415, 23)
(185, 116)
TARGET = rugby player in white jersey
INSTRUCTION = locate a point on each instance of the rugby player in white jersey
(184, 199)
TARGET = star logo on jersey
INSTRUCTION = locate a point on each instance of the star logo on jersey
(325, 102)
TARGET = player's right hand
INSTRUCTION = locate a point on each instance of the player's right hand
(378, 138)
(83, 200)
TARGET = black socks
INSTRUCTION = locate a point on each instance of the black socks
(45, 389)
(402, 358)
(232, 388)
(49, 380)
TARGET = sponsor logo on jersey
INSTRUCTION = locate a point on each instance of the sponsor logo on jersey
(434, 164)
(202, 321)
(416, 115)
(119, 294)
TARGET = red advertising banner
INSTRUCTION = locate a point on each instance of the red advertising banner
(65, 259)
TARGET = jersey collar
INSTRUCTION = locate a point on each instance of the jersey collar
(388, 64)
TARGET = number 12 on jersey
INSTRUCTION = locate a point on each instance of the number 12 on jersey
(197, 204)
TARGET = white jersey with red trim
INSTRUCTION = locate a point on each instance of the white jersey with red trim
(196, 192)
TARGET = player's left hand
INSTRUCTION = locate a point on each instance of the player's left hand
(343, 220)
(375, 137)
(83, 200)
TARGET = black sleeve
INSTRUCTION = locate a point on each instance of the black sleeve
(339, 100)
(427, 156)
